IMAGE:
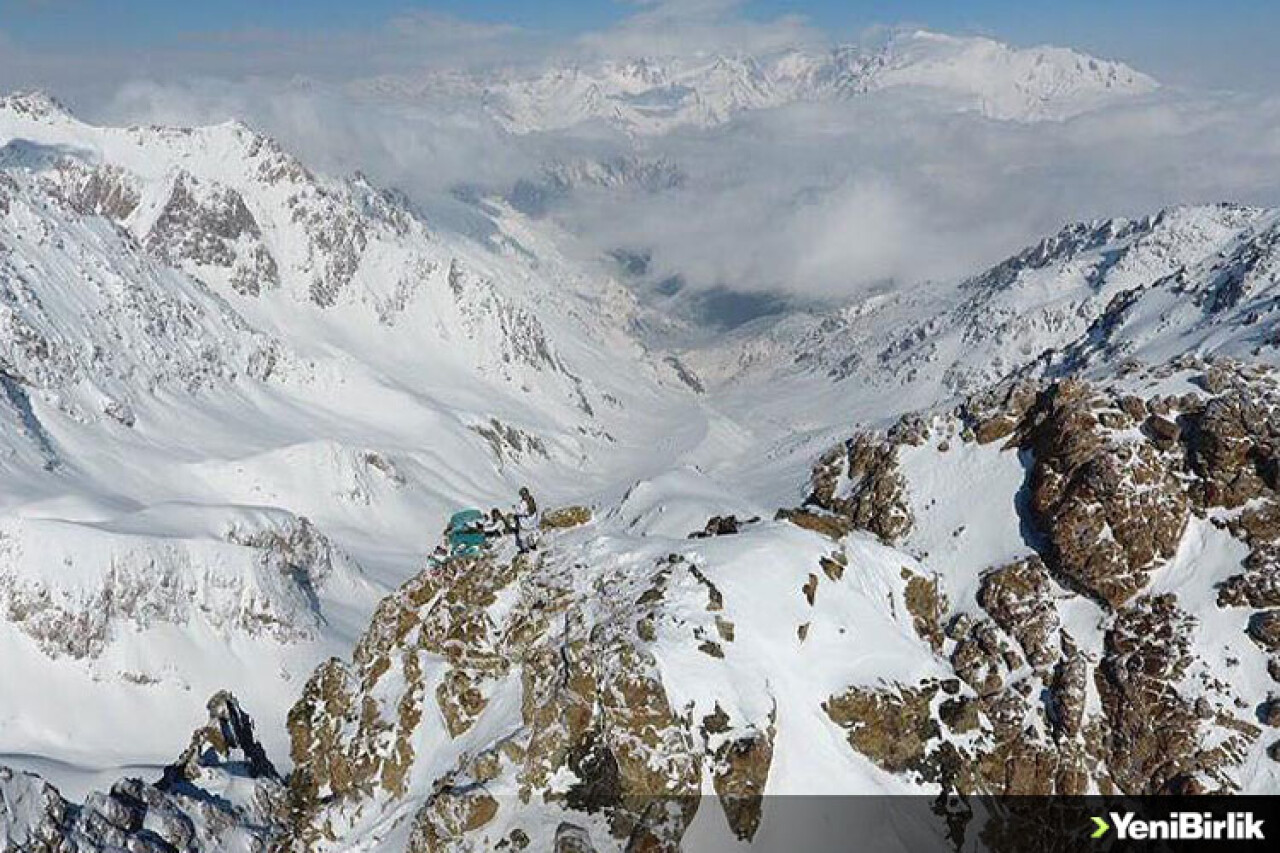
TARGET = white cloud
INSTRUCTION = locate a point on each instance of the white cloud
(683, 27)
(833, 199)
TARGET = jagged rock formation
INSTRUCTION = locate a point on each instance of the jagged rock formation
(228, 736)
(1155, 741)
(538, 689)
(1110, 496)
(222, 795)
(858, 482)
(592, 707)
(1110, 508)
(1019, 599)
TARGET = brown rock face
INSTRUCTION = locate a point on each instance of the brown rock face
(898, 729)
(1259, 586)
(1019, 598)
(1162, 430)
(860, 482)
(1154, 737)
(890, 726)
(1109, 507)
(994, 429)
(927, 605)
(1231, 446)
(723, 525)
(740, 768)
(1264, 628)
(345, 744)
(833, 566)
(982, 656)
(565, 517)
(995, 413)
(833, 526)
(449, 815)
(1067, 692)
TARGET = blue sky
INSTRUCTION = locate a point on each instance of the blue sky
(1217, 44)
(142, 20)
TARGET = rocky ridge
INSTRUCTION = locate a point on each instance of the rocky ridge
(221, 795)
(1113, 483)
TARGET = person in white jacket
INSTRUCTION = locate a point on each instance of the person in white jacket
(525, 514)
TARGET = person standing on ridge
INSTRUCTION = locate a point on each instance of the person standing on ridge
(526, 521)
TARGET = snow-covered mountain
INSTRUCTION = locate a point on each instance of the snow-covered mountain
(1091, 297)
(237, 394)
(1012, 535)
(653, 95)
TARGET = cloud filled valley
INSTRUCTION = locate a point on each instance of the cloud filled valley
(811, 195)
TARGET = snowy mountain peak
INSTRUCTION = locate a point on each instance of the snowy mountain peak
(1019, 84)
(35, 105)
(653, 95)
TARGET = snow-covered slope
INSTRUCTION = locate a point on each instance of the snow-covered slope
(237, 395)
(653, 95)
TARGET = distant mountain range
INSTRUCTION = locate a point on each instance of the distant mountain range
(654, 95)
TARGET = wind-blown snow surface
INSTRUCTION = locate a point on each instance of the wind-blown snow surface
(654, 95)
(239, 400)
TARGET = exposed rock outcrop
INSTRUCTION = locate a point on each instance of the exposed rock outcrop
(1019, 599)
(227, 742)
(892, 726)
(1154, 739)
(222, 795)
(859, 482)
(594, 709)
(206, 227)
(1109, 505)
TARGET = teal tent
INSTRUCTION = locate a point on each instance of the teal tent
(466, 533)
